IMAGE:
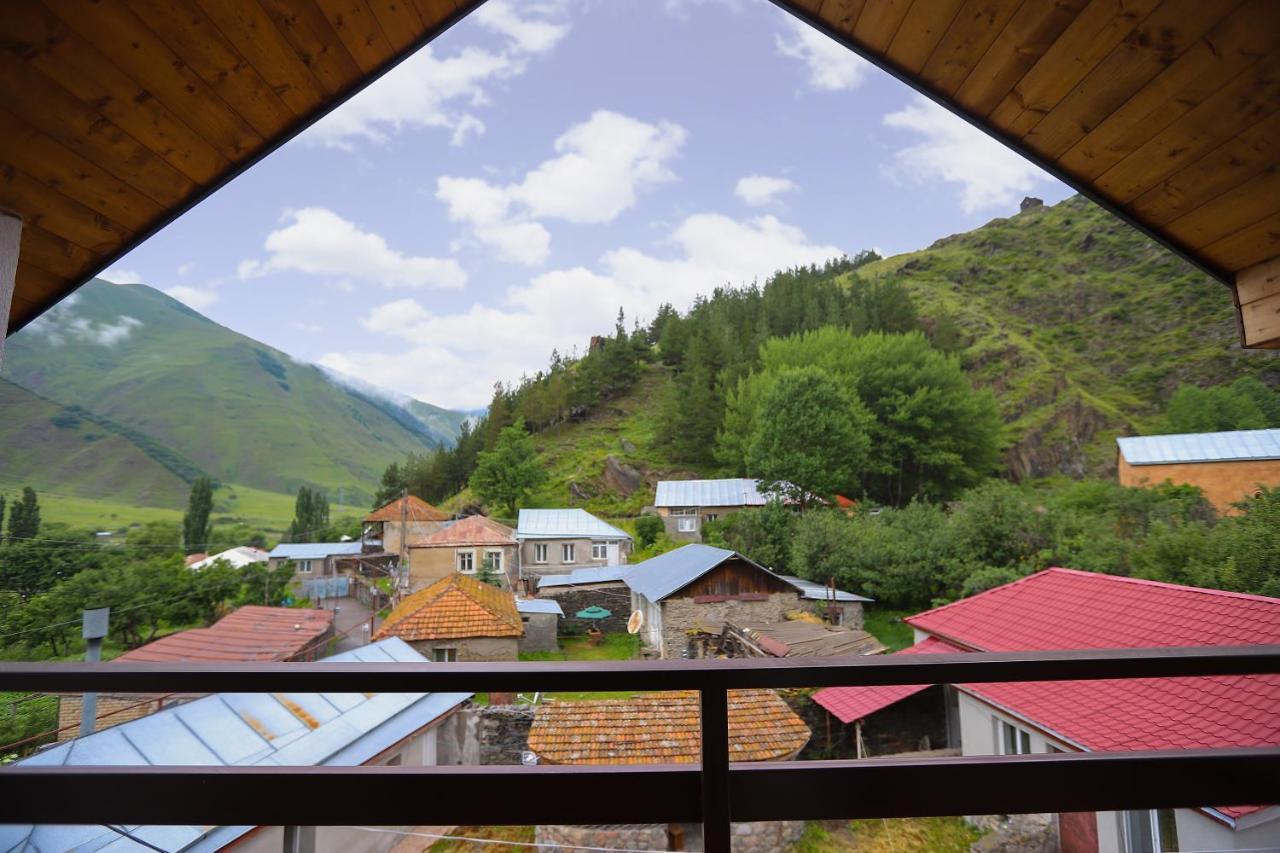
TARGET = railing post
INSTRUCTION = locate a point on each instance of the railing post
(715, 770)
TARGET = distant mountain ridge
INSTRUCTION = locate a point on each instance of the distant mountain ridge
(156, 375)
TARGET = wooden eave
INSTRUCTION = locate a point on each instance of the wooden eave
(115, 118)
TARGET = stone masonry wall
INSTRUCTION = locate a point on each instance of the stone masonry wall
(755, 837)
(681, 615)
(504, 732)
(614, 598)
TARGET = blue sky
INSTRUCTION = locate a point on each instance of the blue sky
(503, 192)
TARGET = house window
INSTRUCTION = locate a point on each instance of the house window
(1013, 740)
(540, 553)
(494, 559)
(711, 516)
(466, 562)
(1150, 831)
(686, 524)
(304, 566)
(566, 552)
(445, 655)
(599, 551)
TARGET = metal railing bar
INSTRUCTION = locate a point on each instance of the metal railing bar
(799, 790)
(716, 830)
(641, 675)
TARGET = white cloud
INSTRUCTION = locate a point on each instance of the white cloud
(184, 269)
(433, 90)
(989, 174)
(193, 297)
(759, 190)
(832, 66)
(603, 164)
(62, 324)
(117, 275)
(319, 242)
(452, 361)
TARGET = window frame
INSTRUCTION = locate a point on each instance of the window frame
(462, 556)
(304, 567)
(496, 555)
(540, 553)
(1157, 840)
(568, 552)
(686, 524)
(599, 550)
(446, 654)
(1021, 738)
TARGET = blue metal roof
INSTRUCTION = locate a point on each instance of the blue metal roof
(564, 524)
(538, 605)
(818, 592)
(314, 550)
(733, 492)
(239, 729)
(578, 577)
(658, 577)
(1239, 446)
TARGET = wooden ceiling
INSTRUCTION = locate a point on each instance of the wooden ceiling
(115, 117)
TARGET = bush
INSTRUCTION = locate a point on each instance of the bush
(648, 528)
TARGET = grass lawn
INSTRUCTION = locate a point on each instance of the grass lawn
(933, 834)
(613, 647)
(516, 838)
(887, 627)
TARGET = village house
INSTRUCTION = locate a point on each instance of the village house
(314, 560)
(238, 558)
(255, 729)
(250, 633)
(541, 620)
(664, 728)
(835, 606)
(1227, 466)
(696, 589)
(556, 541)
(464, 546)
(1066, 609)
(458, 618)
(686, 505)
(404, 521)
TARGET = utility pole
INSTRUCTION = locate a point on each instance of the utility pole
(93, 629)
(404, 541)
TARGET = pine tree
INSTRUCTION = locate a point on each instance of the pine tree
(24, 518)
(196, 529)
(394, 482)
(508, 473)
(310, 516)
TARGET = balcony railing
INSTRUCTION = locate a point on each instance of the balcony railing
(715, 793)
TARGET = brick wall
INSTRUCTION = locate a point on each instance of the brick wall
(681, 615)
(112, 710)
(1223, 483)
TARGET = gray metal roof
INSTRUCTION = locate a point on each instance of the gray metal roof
(564, 524)
(818, 592)
(538, 605)
(314, 550)
(239, 729)
(734, 492)
(659, 576)
(1238, 446)
(579, 577)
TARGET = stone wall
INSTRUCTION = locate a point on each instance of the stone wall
(851, 616)
(681, 615)
(472, 648)
(503, 733)
(615, 598)
(753, 837)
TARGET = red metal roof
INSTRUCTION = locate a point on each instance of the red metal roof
(251, 633)
(472, 530)
(855, 703)
(414, 509)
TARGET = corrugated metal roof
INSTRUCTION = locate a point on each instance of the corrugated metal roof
(287, 729)
(538, 605)
(410, 508)
(818, 592)
(1237, 446)
(314, 550)
(564, 524)
(732, 492)
(239, 557)
(253, 632)
(579, 577)
(658, 577)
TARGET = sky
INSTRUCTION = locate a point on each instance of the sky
(504, 191)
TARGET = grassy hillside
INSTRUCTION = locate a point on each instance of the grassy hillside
(237, 409)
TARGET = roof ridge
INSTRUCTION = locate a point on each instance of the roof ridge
(1226, 593)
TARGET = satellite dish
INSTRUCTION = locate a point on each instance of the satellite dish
(636, 622)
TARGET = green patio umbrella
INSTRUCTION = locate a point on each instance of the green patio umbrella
(593, 613)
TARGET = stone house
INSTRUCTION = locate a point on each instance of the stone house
(556, 541)
(541, 619)
(256, 729)
(696, 589)
(835, 606)
(458, 618)
(686, 505)
(407, 520)
(315, 560)
(664, 728)
(464, 546)
(1066, 609)
(1227, 466)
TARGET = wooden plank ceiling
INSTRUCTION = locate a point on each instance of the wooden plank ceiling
(116, 117)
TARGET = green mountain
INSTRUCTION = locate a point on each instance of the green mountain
(191, 396)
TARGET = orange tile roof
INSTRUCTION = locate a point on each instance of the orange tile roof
(416, 509)
(472, 530)
(453, 607)
(662, 728)
(251, 633)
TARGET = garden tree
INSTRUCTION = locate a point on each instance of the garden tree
(29, 567)
(1244, 404)
(997, 524)
(932, 434)
(155, 538)
(810, 436)
(265, 585)
(763, 534)
(224, 536)
(393, 484)
(648, 529)
(24, 517)
(310, 516)
(196, 530)
(486, 573)
(507, 474)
